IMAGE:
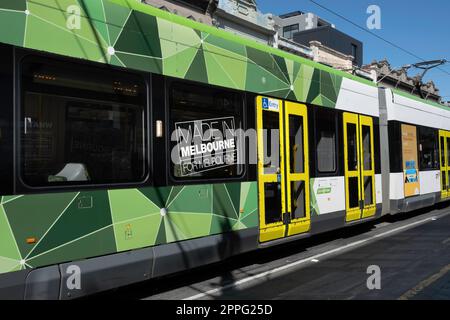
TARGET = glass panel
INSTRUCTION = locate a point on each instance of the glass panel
(448, 151)
(448, 176)
(444, 180)
(81, 125)
(352, 147)
(296, 143)
(367, 147)
(428, 147)
(353, 187)
(298, 199)
(442, 140)
(368, 191)
(205, 123)
(272, 202)
(326, 141)
(271, 125)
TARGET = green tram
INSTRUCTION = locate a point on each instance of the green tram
(136, 144)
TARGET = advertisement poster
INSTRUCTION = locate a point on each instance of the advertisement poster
(205, 145)
(410, 160)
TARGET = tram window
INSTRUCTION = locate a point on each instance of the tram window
(81, 126)
(205, 123)
(326, 141)
(428, 149)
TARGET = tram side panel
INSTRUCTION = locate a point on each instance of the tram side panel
(413, 125)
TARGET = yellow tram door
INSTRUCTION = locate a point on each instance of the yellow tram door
(283, 175)
(444, 156)
(359, 167)
(297, 168)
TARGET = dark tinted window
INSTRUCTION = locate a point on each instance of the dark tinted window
(81, 125)
(204, 124)
(428, 148)
(288, 31)
(326, 141)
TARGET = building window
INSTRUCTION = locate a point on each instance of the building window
(288, 31)
(326, 141)
(428, 149)
(205, 124)
(355, 53)
(81, 125)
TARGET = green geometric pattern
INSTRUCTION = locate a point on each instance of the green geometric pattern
(79, 225)
(126, 33)
(129, 34)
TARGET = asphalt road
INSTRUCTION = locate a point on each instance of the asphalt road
(410, 251)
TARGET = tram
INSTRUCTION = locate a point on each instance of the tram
(136, 143)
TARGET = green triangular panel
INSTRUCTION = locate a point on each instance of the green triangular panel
(221, 224)
(196, 199)
(173, 195)
(234, 190)
(161, 236)
(140, 62)
(178, 64)
(10, 198)
(291, 96)
(251, 220)
(138, 233)
(197, 70)
(19, 5)
(12, 27)
(266, 60)
(173, 234)
(223, 204)
(315, 89)
(31, 216)
(230, 46)
(191, 225)
(303, 81)
(9, 254)
(251, 202)
(260, 80)
(96, 11)
(130, 204)
(280, 63)
(47, 30)
(216, 72)
(222, 62)
(117, 17)
(88, 213)
(158, 196)
(140, 36)
(9, 265)
(91, 246)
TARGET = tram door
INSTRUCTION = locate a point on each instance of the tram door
(283, 171)
(359, 167)
(444, 152)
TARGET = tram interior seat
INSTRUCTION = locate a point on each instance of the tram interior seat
(71, 172)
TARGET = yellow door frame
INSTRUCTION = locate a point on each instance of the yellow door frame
(370, 209)
(365, 211)
(278, 230)
(444, 166)
(352, 213)
(269, 231)
(299, 225)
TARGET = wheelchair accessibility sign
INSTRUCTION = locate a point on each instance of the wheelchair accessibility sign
(270, 104)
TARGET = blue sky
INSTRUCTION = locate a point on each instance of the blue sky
(417, 26)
